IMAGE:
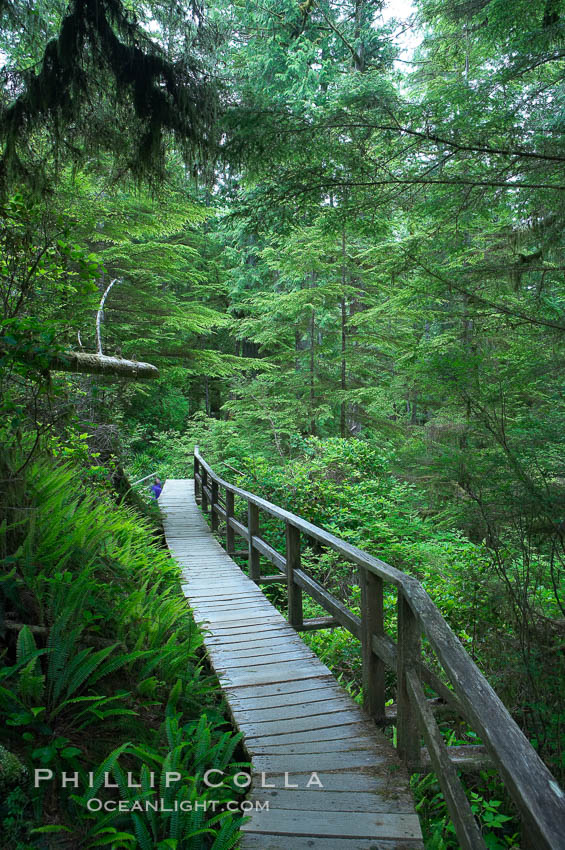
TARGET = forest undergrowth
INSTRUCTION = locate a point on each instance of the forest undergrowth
(103, 679)
(355, 489)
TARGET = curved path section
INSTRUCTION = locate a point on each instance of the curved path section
(324, 777)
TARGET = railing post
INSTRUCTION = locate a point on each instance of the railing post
(253, 528)
(295, 611)
(409, 646)
(196, 481)
(213, 505)
(204, 494)
(372, 623)
(230, 533)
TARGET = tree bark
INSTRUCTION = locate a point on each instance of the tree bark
(100, 364)
(312, 372)
(343, 306)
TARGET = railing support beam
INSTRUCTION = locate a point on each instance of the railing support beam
(372, 623)
(215, 519)
(409, 646)
(196, 481)
(295, 610)
(230, 534)
(253, 529)
(204, 480)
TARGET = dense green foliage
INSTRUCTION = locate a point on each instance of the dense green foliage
(98, 640)
(346, 261)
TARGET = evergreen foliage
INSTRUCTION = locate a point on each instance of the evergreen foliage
(349, 271)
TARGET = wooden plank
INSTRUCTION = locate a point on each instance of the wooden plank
(238, 657)
(386, 649)
(304, 763)
(467, 759)
(219, 509)
(198, 583)
(230, 587)
(242, 628)
(338, 745)
(270, 841)
(315, 683)
(269, 632)
(197, 479)
(196, 586)
(266, 637)
(314, 623)
(288, 712)
(253, 651)
(363, 780)
(247, 622)
(246, 593)
(301, 724)
(237, 621)
(230, 609)
(321, 800)
(288, 700)
(330, 733)
(263, 674)
(335, 824)
(233, 662)
(252, 600)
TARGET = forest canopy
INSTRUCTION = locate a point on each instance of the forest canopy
(336, 230)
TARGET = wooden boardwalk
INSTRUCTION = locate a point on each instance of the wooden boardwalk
(295, 718)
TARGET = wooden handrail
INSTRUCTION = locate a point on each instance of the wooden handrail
(537, 795)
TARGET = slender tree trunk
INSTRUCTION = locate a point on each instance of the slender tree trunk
(360, 13)
(342, 428)
(312, 371)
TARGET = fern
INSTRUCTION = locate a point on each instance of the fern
(94, 574)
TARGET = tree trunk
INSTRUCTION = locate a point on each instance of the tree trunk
(343, 306)
(100, 364)
(312, 364)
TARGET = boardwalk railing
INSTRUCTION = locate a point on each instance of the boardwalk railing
(536, 794)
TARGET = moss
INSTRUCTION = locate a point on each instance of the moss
(102, 55)
(12, 771)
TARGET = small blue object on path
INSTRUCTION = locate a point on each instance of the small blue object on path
(156, 489)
